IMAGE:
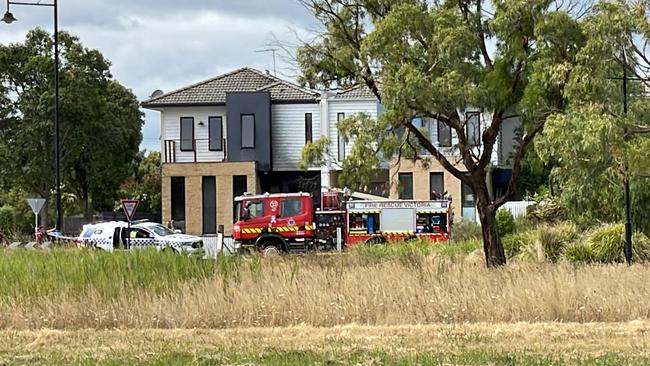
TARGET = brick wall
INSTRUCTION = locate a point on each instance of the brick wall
(421, 181)
(193, 173)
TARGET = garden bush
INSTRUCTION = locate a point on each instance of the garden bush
(465, 230)
(604, 244)
(505, 222)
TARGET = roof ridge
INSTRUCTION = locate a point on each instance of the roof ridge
(283, 81)
(218, 77)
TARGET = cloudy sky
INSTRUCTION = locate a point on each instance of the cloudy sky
(167, 44)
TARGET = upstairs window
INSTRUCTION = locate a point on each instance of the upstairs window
(405, 186)
(248, 131)
(187, 133)
(341, 140)
(308, 128)
(473, 128)
(444, 135)
(215, 127)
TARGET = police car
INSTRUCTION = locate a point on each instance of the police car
(114, 235)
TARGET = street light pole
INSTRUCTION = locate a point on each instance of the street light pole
(628, 214)
(9, 18)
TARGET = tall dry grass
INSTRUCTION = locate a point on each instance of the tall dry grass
(333, 290)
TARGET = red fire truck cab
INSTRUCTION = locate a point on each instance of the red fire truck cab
(274, 223)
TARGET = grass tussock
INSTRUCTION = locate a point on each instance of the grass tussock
(152, 290)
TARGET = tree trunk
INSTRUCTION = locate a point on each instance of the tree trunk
(487, 212)
(88, 214)
(43, 216)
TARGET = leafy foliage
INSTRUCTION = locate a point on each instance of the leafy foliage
(594, 143)
(432, 60)
(505, 222)
(144, 183)
(100, 120)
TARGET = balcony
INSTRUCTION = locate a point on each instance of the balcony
(193, 151)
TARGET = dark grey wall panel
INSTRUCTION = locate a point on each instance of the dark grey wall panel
(257, 104)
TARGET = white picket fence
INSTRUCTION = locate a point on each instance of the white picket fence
(213, 245)
(517, 208)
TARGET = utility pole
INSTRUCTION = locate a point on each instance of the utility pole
(273, 51)
(627, 250)
(9, 18)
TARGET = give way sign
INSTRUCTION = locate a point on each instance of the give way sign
(130, 206)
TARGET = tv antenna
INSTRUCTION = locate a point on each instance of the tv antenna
(272, 50)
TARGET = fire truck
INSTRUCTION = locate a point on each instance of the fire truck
(287, 222)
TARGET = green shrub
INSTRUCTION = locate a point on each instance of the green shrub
(505, 222)
(513, 243)
(554, 238)
(7, 219)
(605, 244)
(465, 230)
(542, 243)
(578, 253)
(547, 209)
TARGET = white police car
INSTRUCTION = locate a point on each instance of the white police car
(114, 235)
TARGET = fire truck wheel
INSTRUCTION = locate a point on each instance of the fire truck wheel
(271, 250)
(376, 240)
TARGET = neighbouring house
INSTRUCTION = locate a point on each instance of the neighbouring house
(244, 131)
(412, 180)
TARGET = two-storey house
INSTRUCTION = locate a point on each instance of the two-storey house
(244, 131)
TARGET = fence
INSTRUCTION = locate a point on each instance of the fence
(517, 208)
(218, 244)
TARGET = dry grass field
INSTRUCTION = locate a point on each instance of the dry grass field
(366, 308)
(433, 344)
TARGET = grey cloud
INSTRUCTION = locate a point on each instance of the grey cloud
(166, 44)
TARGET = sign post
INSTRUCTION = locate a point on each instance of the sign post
(338, 239)
(37, 205)
(129, 207)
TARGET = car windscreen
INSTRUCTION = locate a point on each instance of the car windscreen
(161, 230)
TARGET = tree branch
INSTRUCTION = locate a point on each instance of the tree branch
(425, 143)
(516, 165)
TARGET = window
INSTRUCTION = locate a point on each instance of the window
(291, 207)
(140, 234)
(436, 185)
(473, 128)
(444, 135)
(248, 131)
(187, 133)
(215, 132)
(405, 186)
(308, 128)
(468, 195)
(341, 140)
(255, 209)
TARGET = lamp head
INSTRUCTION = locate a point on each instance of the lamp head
(8, 18)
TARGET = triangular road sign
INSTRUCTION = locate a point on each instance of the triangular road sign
(129, 207)
(36, 204)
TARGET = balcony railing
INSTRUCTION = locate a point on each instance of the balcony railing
(192, 151)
